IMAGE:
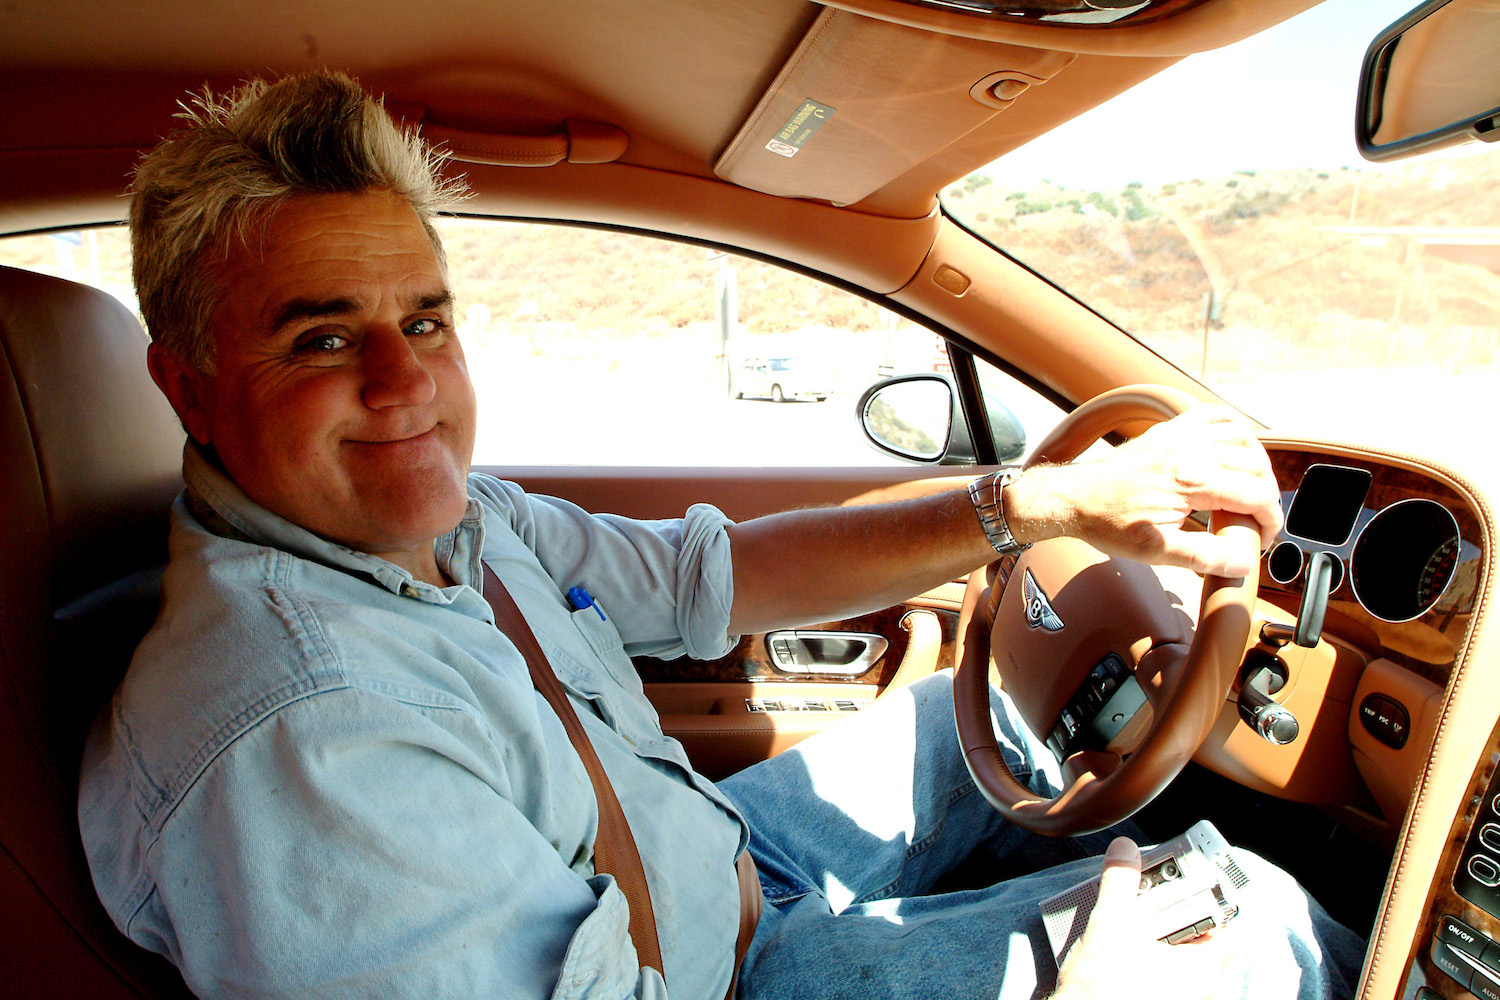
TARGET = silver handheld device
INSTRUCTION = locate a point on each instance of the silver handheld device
(1191, 885)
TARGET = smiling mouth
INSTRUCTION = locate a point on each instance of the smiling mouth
(408, 439)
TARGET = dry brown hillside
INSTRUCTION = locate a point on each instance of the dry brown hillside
(1349, 265)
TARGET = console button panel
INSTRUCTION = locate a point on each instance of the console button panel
(1451, 964)
(1468, 957)
(1386, 719)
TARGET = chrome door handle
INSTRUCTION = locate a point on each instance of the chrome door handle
(845, 654)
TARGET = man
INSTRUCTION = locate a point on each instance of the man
(326, 773)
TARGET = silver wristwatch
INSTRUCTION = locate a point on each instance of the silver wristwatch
(987, 494)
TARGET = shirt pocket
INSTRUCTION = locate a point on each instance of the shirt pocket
(618, 694)
(602, 638)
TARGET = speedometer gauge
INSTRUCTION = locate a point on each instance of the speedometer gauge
(1404, 559)
(1438, 572)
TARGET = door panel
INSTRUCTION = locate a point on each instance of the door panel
(731, 712)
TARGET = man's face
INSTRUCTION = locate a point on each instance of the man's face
(342, 401)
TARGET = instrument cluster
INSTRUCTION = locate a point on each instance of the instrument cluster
(1396, 544)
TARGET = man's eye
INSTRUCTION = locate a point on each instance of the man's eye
(423, 327)
(321, 343)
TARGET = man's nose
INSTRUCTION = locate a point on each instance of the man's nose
(394, 374)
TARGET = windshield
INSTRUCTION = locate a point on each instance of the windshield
(1220, 213)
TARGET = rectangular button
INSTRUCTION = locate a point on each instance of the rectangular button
(1459, 935)
(1185, 934)
(1450, 964)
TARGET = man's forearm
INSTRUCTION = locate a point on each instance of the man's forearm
(811, 566)
(825, 565)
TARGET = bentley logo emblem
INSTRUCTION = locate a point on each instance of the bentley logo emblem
(1039, 613)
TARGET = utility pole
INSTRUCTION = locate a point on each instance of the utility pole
(726, 309)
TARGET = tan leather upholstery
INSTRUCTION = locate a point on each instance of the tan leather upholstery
(89, 462)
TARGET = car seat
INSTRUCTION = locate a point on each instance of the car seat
(90, 459)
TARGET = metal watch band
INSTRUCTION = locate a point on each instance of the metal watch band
(987, 494)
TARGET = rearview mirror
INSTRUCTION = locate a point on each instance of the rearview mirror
(1431, 80)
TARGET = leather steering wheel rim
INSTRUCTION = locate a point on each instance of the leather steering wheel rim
(1182, 716)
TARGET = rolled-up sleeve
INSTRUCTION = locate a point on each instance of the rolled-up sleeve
(668, 584)
(705, 583)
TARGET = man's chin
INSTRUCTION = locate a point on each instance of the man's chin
(422, 508)
(419, 515)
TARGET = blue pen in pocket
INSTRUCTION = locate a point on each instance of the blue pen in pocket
(580, 599)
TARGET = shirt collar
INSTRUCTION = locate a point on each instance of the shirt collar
(223, 508)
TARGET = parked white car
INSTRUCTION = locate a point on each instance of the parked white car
(780, 379)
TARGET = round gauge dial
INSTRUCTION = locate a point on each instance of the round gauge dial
(1404, 559)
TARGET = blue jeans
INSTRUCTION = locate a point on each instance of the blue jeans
(852, 830)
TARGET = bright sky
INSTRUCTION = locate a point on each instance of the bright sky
(1283, 98)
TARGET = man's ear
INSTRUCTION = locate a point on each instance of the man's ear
(184, 385)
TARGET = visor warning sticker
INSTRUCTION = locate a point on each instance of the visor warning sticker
(799, 128)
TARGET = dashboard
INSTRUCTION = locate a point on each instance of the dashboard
(1397, 555)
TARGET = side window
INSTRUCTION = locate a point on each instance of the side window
(98, 256)
(591, 347)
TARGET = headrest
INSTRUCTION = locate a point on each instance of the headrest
(90, 451)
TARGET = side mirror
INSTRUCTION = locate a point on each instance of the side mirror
(1431, 80)
(918, 418)
(911, 416)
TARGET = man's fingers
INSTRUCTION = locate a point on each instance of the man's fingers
(1135, 503)
(1112, 922)
(1118, 883)
(1220, 464)
(1241, 493)
(1232, 554)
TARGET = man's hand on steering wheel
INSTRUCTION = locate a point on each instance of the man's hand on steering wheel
(1133, 502)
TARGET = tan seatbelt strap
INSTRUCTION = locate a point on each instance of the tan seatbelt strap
(614, 848)
(752, 899)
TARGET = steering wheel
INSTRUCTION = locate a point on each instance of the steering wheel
(1112, 616)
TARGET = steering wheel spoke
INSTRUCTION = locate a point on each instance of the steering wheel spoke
(1091, 765)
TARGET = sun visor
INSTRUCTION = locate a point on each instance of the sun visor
(863, 100)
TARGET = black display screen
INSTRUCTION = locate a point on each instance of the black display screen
(1327, 503)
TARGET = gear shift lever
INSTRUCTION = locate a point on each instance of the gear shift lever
(1272, 721)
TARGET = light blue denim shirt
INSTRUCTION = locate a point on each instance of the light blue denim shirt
(321, 777)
